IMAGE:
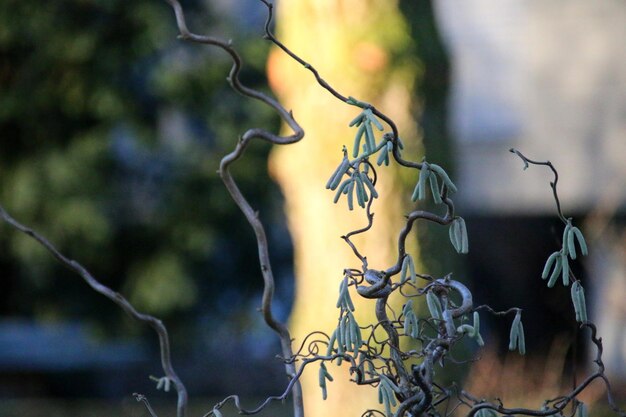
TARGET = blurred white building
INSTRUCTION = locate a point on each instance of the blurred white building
(547, 77)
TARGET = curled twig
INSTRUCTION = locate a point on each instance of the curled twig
(552, 183)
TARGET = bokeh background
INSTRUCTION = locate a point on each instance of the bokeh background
(112, 130)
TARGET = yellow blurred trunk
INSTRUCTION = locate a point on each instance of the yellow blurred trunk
(357, 46)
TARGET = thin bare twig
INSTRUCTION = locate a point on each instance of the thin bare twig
(118, 299)
(552, 183)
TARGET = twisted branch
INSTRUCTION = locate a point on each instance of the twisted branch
(251, 215)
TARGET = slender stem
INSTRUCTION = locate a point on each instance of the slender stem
(552, 183)
(117, 298)
(245, 207)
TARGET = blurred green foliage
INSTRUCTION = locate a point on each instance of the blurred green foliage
(112, 130)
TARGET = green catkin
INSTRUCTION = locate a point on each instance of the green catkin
(335, 179)
(370, 139)
(555, 272)
(360, 191)
(581, 241)
(368, 183)
(565, 266)
(419, 193)
(351, 196)
(375, 120)
(434, 188)
(521, 343)
(565, 238)
(476, 322)
(383, 158)
(357, 140)
(357, 120)
(434, 305)
(463, 235)
(454, 236)
(570, 244)
(323, 375)
(548, 265)
(444, 177)
(408, 269)
(514, 334)
(342, 189)
(331, 343)
(578, 299)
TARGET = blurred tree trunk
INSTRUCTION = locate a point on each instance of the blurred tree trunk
(360, 48)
